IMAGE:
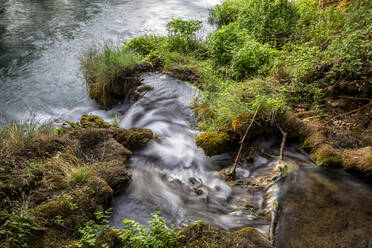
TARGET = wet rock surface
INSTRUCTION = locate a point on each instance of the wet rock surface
(324, 208)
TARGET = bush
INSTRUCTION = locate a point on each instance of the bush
(110, 73)
(144, 45)
(250, 59)
(225, 41)
(266, 20)
(226, 12)
(182, 35)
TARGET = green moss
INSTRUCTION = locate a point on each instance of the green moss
(93, 121)
(201, 236)
(213, 143)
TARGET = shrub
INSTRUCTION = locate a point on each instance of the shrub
(110, 73)
(182, 35)
(226, 12)
(250, 58)
(268, 20)
(145, 44)
(225, 41)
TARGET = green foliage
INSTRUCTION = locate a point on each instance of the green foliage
(226, 12)
(110, 72)
(88, 232)
(79, 175)
(157, 235)
(182, 35)
(67, 200)
(250, 58)
(17, 229)
(224, 42)
(145, 44)
(266, 20)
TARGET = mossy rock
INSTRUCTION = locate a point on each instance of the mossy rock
(190, 74)
(93, 121)
(360, 159)
(133, 138)
(203, 236)
(327, 155)
(115, 174)
(213, 143)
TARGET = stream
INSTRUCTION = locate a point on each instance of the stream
(40, 42)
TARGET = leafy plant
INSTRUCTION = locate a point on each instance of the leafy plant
(224, 42)
(88, 232)
(250, 58)
(67, 200)
(157, 235)
(17, 229)
(182, 34)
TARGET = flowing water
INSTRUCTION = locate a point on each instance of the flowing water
(40, 42)
(39, 72)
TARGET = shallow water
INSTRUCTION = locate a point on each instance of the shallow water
(40, 42)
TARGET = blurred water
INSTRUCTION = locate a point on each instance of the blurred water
(40, 42)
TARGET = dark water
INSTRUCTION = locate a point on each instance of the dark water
(40, 41)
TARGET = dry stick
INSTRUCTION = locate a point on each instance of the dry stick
(282, 145)
(232, 170)
(274, 218)
(353, 111)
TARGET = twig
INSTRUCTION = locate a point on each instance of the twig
(282, 145)
(354, 98)
(232, 170)
(353, 111)
(274, 220)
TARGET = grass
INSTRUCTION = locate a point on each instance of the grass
(16, 134)
(110, 73)
(79, 175)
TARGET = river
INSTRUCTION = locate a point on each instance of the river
(40, 44)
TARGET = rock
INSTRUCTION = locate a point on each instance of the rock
(184, 73)
(93, 121)
(213, 143)
(202, 235)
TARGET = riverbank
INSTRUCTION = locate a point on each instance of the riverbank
(311, 63)
(297, 71)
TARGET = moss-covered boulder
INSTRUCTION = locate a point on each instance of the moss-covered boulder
(214, 143)
(190, 74)
(65, 178)
(93, 121)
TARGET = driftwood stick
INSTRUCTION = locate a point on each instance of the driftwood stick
(233, 168)
(282, 145)
(274, 220)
